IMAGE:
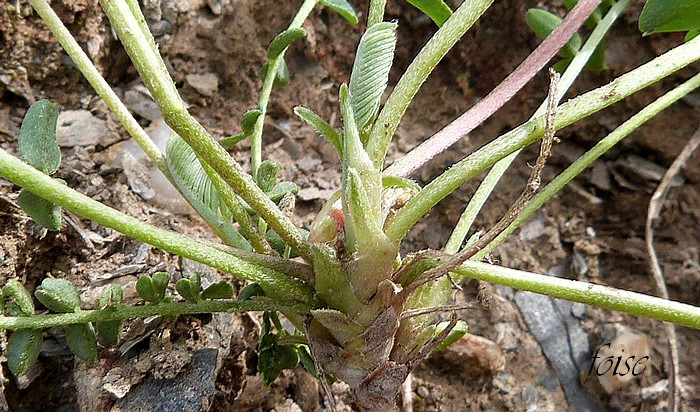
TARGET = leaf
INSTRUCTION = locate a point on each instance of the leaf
(247, 126)
(343, 8)
(43, 212)
(543, 23)
(437, 10)
(274, 359)
(370, 72)
(402, 182)
(110, 332)
(250, 291)
(283, 40)
(37, 137)
(334, 137)
(148, 291)
(15, 289)
(267, 175)
(281, 76)
(111, 296)
(82, 341)
(596, 63)
(307, 361)
(282, 188)
(59, 295)
(456, 334)
(219, 290)
(23, 350)
(669, 15)
(190, 288)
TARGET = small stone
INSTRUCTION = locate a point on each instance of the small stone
(578, 310)
(529, 395)
(631, 348)
(423, 392)
(476, 355)
(81, 128)
(507, 337)
(206, 84)
(550, 382)
(139, 101)
(600, 177)
(501, 383)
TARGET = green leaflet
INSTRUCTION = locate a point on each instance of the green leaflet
(343, 8)
(110, 332)
(22, 299)
(543, 23)
(82, 341)
(43, 212)
(23, 350)
(190, 289)
(152, 289)
(669, 15)
(437, 10)
(333, 136)
(281, 75)
(456, 334)
(370, 72)
(59, 295)
(37, 137)
(219, 290)
(283, 40)
(247, 125)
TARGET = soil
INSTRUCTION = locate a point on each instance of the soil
(593, 230)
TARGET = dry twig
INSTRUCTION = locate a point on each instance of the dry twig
(653, 213)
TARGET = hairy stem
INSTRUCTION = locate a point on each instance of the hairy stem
(256, 138)
(163, 309)
(596, 295)
(416, 73)
(494, 175)
(376, 12)
(277, 285)
(82, 61)
(532, 131)
(155, 75)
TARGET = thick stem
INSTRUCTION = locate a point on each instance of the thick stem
(494, 175)
(376, 12)
(276, 285)
(155, 75)
(416, 73)
(531, 131)
(128, 312)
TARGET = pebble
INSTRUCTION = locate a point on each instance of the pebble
(529, 395)
(423, 392)
(627, 343)
(507, 337)
(82, 128)
(476, 355)
(501, 383)
(138, 99)
(206, 84)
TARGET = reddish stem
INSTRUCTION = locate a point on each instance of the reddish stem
(473, 117)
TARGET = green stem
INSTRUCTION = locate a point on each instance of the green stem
(589, 157)
(256, 138)
(129, 312)
(155, 75)
(531, 131)
(417, 72)
(494, 175)
(376, 12)
(596, 295)
(93, 76)
(276, 285)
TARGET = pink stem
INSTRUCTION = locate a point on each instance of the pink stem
(473, 117)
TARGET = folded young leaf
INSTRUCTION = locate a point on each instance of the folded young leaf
(333, 136)
(37, 137)
(343, 8)
(370, 72)
(437, 10)
(283, 40)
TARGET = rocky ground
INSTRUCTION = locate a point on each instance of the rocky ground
(526, 352)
